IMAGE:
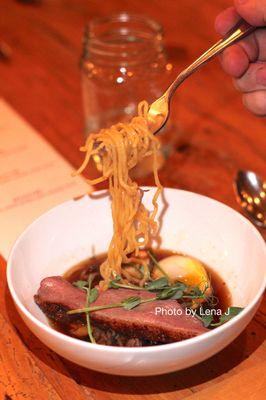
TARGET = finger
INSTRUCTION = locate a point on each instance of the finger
(254, 78)
(253, 11)
(235, 61)
(225, 20)
(256, 102)
(260, 36)
(255, 45)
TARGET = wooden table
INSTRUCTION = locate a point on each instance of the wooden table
(218, 137)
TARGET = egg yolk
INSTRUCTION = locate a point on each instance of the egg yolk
(183, 269)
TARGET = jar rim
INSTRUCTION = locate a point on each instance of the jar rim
(124, 17)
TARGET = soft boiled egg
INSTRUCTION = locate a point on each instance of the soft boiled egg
(183, 269)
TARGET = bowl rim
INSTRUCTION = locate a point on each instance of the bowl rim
(86, 346)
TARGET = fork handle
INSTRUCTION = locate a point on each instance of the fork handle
(238, 32)
(244, 27)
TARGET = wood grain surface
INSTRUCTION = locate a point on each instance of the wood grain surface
(216, 137)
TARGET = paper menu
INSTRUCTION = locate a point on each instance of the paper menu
(33, 176)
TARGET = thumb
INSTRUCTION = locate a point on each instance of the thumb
(253, 11)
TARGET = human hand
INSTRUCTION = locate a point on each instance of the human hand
(246, 60)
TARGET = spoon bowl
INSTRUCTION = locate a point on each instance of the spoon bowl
(251, 195)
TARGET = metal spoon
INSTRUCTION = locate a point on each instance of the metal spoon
(251, 195)
(159, 110)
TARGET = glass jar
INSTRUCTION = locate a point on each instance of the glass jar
(123, 62)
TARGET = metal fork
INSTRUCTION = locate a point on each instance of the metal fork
(159, 110)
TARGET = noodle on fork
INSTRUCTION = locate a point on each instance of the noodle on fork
(120, 148)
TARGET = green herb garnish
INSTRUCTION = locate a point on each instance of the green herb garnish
(157, 284)
(162, 290)
(131, 302)
(207, 319)
(116, 285)
(178, 294)
(127, 304)
(177, 291)
(80, 284)
(94, 293)
(91, 296)
(230, 313)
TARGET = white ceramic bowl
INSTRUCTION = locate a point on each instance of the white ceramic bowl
(192, 224)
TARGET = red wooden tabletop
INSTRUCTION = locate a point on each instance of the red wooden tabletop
(216, 137)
